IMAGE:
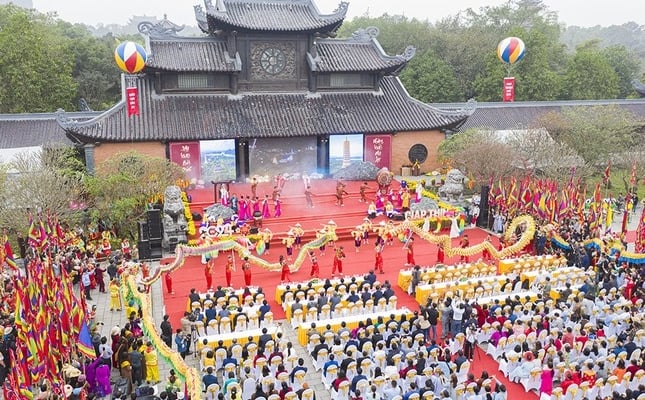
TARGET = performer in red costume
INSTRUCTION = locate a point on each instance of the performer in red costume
(338, 261)
(285, 275)
(209, 268)
(230, 267)
(168, 278)
(378, 262)
(315, 267)
(441, 255)
(246, 267)
(410, 251)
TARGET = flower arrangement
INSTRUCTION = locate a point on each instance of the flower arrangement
(190, 224)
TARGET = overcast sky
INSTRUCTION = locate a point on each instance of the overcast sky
(570, 12)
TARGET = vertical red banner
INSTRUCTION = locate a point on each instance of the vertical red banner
(132, 100)
(187, 156)
(378, 150)
(508, 93)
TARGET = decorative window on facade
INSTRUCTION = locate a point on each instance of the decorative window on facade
(346, 80)
(273, 60)
(193, 81)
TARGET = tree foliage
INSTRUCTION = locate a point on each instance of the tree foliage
(466, 45)
(49, 64)
(49, 181)
(594, 133)
(125, 184)
(35, 66)
(430, 79)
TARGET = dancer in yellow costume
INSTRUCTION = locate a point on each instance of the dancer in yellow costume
(152, 365)
(115, 295)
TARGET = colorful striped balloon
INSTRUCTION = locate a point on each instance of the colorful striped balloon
(510, 50)
(130, 57)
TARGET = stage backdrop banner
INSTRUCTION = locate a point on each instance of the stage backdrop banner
(378, 150)
(186, 155)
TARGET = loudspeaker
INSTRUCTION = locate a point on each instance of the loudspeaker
(155, 249)
(143, 231)
(156, 253)
(155, 229)
(482, 220)
(144, 249)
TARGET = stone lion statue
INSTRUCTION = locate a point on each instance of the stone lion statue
(174, 220)
(453, 189)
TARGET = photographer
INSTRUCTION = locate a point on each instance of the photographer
(471, 338)
(183, 343)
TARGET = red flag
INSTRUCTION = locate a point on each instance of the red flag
(632, 177)
(607, 176)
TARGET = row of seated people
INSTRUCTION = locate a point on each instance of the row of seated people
(224, 296)
(446, 273)
(377, 351)
(593, 349)
(333, 302)
(291, 291)
(312, 310)
(258, 369)
(230, 317)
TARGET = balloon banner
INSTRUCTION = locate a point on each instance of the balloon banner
(130, 57)
(510, 50)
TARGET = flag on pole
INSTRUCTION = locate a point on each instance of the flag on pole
(607, 176)
(632, 177)
(640, 234)
(84, 343)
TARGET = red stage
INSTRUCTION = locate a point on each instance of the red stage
(191, 275)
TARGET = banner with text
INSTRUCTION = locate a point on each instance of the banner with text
(378, 150)
(132, 99)
(509, 89)
(186, 155)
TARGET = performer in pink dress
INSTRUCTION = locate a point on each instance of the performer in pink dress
(278, 207)
(266, 213)
(256, 205)
(243, 208)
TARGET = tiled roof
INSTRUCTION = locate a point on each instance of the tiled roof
(219, 116)
(28, 130)
(351, 55)
(524, 115)
(270, 15)
(185, 54)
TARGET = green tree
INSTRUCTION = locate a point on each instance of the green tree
(124, 186)
(431, 80)
(35, 66)
(94, 70)
(585, 71)
(396, 32)
(626, 65)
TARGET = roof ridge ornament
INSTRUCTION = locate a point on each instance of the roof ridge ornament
(163, 28)
(365, 34)
(408, 53)
(65, 121)
(342, 7)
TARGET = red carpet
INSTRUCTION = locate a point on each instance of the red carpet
(191, 275)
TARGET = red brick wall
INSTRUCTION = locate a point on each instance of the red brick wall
(103, 151)
(402, 141)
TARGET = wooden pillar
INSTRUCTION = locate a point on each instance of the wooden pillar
(323, 154)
